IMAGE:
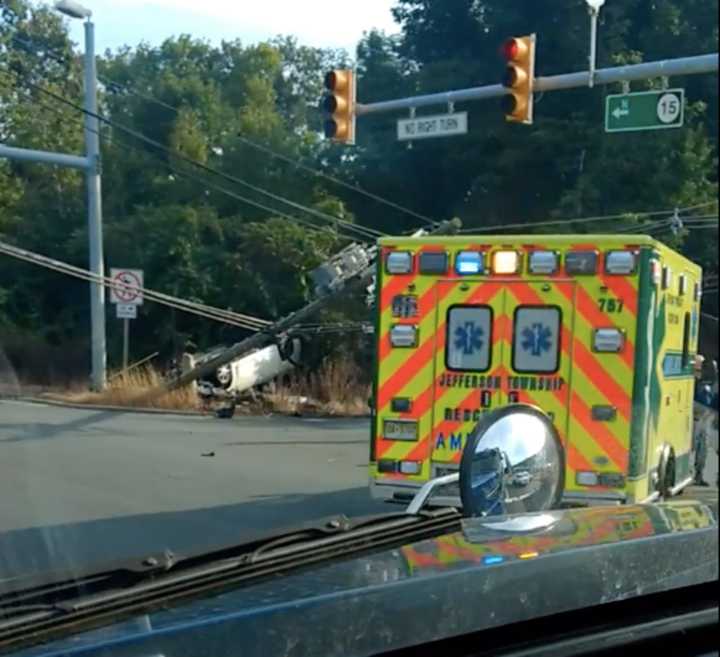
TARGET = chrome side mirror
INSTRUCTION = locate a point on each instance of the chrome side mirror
(513, 462)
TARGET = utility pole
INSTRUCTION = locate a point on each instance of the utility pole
(90, 164)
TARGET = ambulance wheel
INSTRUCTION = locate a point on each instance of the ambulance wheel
(666, 472)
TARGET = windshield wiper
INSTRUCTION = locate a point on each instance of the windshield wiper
(42, 613)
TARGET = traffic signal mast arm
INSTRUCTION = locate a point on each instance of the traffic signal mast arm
(698, 65)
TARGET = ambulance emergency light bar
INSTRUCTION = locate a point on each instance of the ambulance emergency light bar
(509, 262)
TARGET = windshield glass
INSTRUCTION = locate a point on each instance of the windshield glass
(241, 293)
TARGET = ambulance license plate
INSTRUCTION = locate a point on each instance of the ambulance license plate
(395, 430)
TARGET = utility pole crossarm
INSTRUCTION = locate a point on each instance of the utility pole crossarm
(664, 68)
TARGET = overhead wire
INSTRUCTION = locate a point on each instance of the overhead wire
(243, 321)
(559, 222)
(369, 234)
(584, 220)
(335, 180)
(140, 136)
(115, 86)
(208, 184)
(209, 312)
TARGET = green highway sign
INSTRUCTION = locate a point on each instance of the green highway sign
(646, 110)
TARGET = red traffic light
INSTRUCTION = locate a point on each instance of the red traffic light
(513, 49)
(519, 78)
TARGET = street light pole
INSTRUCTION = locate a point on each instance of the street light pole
(74, 9)
(594, 6)
(94, 201)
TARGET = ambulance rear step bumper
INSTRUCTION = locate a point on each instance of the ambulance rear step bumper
(400, 492)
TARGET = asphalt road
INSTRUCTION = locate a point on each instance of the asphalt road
(80, 487)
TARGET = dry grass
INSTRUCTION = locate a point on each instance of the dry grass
(335, 389)
(127, 390)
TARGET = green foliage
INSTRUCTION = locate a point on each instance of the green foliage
(167, 216)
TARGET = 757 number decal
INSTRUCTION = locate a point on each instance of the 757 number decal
(612, 306)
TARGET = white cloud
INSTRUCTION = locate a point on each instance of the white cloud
(314, 22)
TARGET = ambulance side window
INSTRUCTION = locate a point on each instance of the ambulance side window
(537, 339)
(469, 339)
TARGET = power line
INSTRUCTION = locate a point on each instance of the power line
(368, 234)
(363, 230)
(701, 205)
(227, 192)
(583, 220)
(115, 87)
(558, 222)
(209, 312)
(204, 182)
(335, 180)
(642, 229)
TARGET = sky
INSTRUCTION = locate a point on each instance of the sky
(128, 22)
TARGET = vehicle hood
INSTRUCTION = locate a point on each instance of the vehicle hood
(489, 574)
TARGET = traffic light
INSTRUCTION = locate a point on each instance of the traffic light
(339, 106)
(519, 78)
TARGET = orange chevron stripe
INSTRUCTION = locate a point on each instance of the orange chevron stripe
(605, 383)
(622, 289)
(397, 381)
(426, 305)
(584, 359)
(502, 331)
(484, 294)
(597, 318)
(575, 460)
(609, 443)
(448, 426)
(396, 285)
(451, 425)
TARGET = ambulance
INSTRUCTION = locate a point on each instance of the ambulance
(600, 332)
